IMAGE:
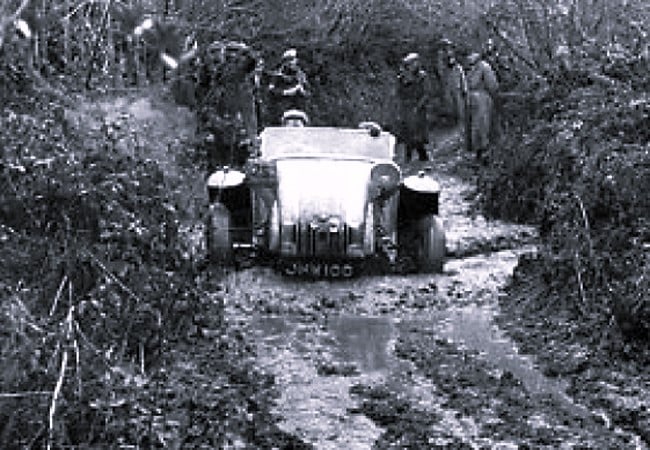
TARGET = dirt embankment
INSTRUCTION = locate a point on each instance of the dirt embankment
(196, 384)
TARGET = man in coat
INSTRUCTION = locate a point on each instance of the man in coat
(453, 85)
(227, 120)
(288, 88)
(482, 85)
(413, 97)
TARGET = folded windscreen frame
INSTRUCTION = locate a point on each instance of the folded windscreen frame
(324, 142)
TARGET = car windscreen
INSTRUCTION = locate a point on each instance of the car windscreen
(281, 142)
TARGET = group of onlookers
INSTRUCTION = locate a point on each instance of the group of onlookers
(467, 95)
(231, 86)
(232, 80)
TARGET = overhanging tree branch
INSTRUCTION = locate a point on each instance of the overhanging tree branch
(15, 15)
(512, 46)
(7, 20)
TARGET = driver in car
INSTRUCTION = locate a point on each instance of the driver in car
(295, 118)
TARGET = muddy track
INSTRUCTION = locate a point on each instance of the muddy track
(413, 361)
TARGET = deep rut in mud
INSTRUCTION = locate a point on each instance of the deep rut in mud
(412, 361)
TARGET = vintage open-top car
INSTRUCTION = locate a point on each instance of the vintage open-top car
(326, 202)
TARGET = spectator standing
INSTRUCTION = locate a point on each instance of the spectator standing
(226, 104)
(289, 87)
(491, 55)
(482, 85)
(452, 82)
(413, 97)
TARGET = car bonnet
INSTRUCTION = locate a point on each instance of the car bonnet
(309, 188)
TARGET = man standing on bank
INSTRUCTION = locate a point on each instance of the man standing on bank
(413, 97)
(453, 85)
(289, 87)
(483, 85)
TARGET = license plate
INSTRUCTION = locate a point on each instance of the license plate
(319, 270)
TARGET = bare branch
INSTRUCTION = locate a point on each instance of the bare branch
(76, 9)
(55, 396)
(114, 277)
(23, 394)
(585, 222)
(512, 46)
(58, 295)
(15, 15)
(6, 21)
(69, 321)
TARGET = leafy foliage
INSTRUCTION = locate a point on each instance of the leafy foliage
(102, 295)
(574, 158)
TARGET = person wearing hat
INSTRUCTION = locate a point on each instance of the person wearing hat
(491, 55)
(482, 85)
(289, 87)
(413, 98)
(453, 87)
(227, 122)
(295, 118)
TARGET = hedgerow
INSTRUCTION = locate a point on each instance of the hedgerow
(112, 329)
(579, 167)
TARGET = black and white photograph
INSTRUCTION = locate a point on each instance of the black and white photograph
(324, 224)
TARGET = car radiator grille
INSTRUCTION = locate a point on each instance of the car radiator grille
(319, 240)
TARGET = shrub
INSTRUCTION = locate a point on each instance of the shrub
(580, 168)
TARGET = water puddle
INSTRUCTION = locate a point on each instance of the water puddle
(368, 342)
(314, 406)
(460, 308)
(274, 329)
(364, 341)
(473, 328)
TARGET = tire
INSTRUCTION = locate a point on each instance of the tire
(219, 239)
(431, 248)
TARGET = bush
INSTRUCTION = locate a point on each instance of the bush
(111, 325)
(580, 168)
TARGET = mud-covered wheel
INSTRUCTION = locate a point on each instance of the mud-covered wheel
(431, 248)
(219, 239)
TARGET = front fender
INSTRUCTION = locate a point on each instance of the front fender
(423, 182)
(419, 197)
(225, 178)
(222, 180)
